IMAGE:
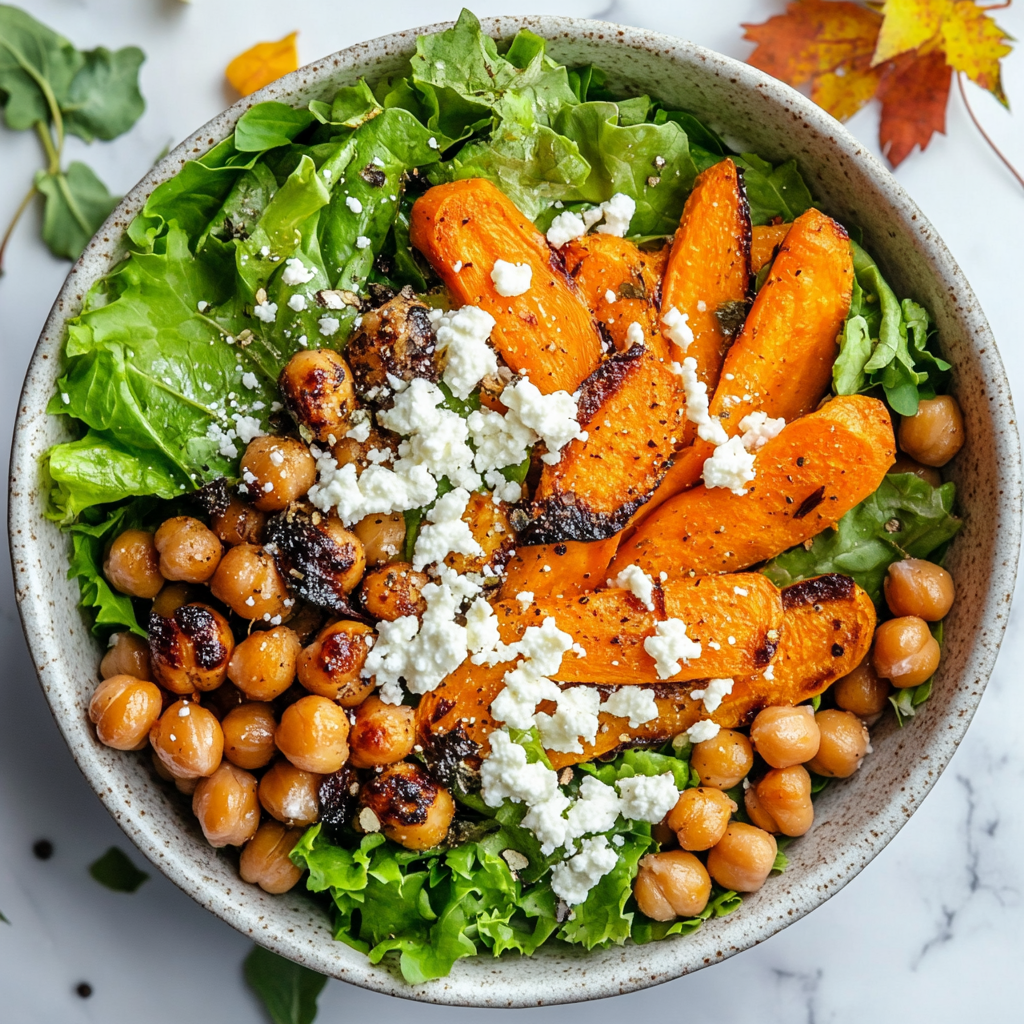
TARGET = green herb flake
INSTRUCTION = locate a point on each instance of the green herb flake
(115, 871)
(287, 990)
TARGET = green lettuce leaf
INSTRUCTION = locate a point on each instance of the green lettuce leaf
(905, 518)
(269, 125)
(288, 990)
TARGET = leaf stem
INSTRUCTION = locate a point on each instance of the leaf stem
(22, 207)
(52, 152)
(977, 124)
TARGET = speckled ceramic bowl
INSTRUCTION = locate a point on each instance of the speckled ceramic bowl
(856, 818)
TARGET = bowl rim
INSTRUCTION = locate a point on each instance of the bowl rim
(627, 974)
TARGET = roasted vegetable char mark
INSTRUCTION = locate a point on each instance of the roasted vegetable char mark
(190, 649)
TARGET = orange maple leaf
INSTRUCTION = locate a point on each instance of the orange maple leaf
(902, 52)
(262, 64)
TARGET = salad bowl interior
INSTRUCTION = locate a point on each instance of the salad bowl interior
(855, 820)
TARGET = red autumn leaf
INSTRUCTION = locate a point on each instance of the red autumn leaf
(914, 91)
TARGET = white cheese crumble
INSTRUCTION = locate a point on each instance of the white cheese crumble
(632, 702)
(511, 279)
(610, 296)
(713, 694)
(618, 212)
(709, 428)
(462, 341)
(553, 417)
(634, 335)
(444, 531)
(677, 328)
(648, 798)
(702, 730)
(572, 879)
(638, 583)
(296, 272)
(360, 426)
(564, 228)
(250, 381)
(265, 311)
(575, 718)
(362, 242)
(328, 325)
(297, 303)
(354, 204)
(730, 466)
(670, 647)
(757, 429)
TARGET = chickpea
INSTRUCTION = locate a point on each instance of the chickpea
(263, 665)
(406, 804)
(743, 859)
(671, 884)
(317, 389)
(124, 709)
(723, 761)
(265, 861)
(757, 812)
(189, 551)
(290, 795)
(352, 553)
(226, 806)
(313, 735)
(191, 649)
(844, 742)
(492, 530)
(905, 464)
(174, 595)
(224, 700)
(382, 537)
(905, 651)
(307, 621)
(132, 565)
(331, 665)
(382, 733)
(917, 587)
(188, 739)
(248, 582)
(700, 817)
(785, 793)
(347, 451)
(186, 786)
(239, 523)
(393, 591)
(160, 768)
(784, 736)
(127, 655)
(249, 735)
(862, 692)
(277, 471)
(935, 433)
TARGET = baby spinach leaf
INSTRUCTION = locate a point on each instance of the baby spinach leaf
(269, 125)
(77, 203)
(773, 191)
(905, 518)
(115, 871)
(287, 990)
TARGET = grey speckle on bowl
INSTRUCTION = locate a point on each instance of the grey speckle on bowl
(855, 819)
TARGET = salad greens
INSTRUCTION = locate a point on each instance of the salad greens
(115, 871)
(49, 86)
(288, 990)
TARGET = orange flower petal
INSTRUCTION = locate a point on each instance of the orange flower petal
(262, 64)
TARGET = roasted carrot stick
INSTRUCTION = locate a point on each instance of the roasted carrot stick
(764, 240)
(558, 570)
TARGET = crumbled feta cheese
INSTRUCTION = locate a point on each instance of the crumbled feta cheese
(670, 647)
(564, 228)
(444, 531)
(265, 311)
(618, 212)
(648, 798)
(432, 142)
(525, 598)
(730, 465)
(297, 303)
(502, 489)
(610, 296)
(634, 335)
(572, 879)
(247, 428)
(553, 417)
(677, 328)
(353, 204)
(757, 429)
(702, 730)
(360, 425)
(511, 279)
(713, 694)
(223, 439)
(328, 325)
(296, 272)
(575, 717)
(633, 702)
(250, 381)
(362, 242)
(462, 341)
(595, 810)
(457, 266)
(709, 428)
(368, 821)
(638, 583)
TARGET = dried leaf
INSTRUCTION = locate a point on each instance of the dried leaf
(262, 64)
(914, 91)
(975, 44)
(907, 25)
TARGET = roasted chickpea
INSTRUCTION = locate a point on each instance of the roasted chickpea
(723, 761)
(306, 622)
(743, 858)
(313, 735)
(124, 709)
(862, 692)
(225, 804)
(174, 595)
(492, 530)
(917, 587)
(265, 861)
(671, 884)
(239, 523)
(317, 389)
(290, 795)
(905, 652)
(132, 565)
(277, 471)
(406, 804)
(382, 733)
(785, 793)
(347, 451)
(127, 655)
(186, 786)
(785, 735)
(757, 813)
(248, 582)
(189, 551)
(382, 537)
(935, 433)
(905, 464)
(346, 541)
(249, 735)
(160, 768)
(331, 665)
(190, 650)
(844, 742)
(700, 817)
(393, 591)
(263, 665)
(188, 739)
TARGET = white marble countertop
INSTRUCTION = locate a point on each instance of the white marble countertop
(929, 931)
